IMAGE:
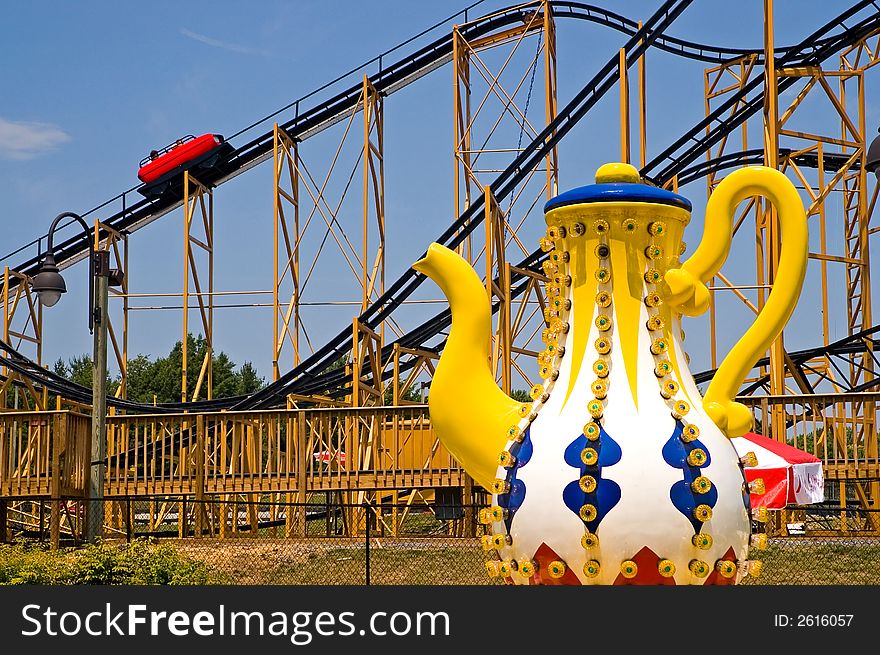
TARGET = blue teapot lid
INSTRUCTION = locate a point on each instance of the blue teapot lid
(617, 183)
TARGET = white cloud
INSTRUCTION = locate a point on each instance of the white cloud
(217, 43)
(26, 140)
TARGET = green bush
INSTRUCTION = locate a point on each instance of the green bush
(137, 563)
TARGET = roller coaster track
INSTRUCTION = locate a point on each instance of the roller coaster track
(313, 375)
(835, 354)
(338, 107)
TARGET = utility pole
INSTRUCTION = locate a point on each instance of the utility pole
(101, 280)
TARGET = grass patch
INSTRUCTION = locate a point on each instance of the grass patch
(803, 562)
(137, 563)
(401, 561)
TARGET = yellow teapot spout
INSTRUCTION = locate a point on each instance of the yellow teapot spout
(469, 413)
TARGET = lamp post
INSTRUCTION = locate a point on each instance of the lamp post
(49, 285)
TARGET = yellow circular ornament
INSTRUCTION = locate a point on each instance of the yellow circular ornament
(537, 391)
(549, 336)
(662, 369)
(755, 567)
(652, 276)
(653, 300)
(589, 540)
(702, 541)
(559, 257)
(555, 232)
(603, 275)
(629, 226)
(600, 389)
(666, 568)
(654, 323)
(653, 252)
(603, 299)
(657, 228)
(526, 568)
(506, 460)
(588, 513)
(500, 486)
(591, 568)
(595, 408)
(589, 456)
(587, 484)
(498, 513)
(577, 229)
(697, 457)
(680, 409)
(600, 226)
(703, 513)
(600, 368)
(556, 569)
(603, 322)
(699, 568)
(690, 433)
(546, 244)
(659, 346)
(668, 389)
(701, 485)
(562, 280)
(629, 569)
(725, 568)
(492, 569)
(560, 304)
(592, 431)
(603, 345)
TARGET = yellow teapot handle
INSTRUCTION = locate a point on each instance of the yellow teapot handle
(687, 292)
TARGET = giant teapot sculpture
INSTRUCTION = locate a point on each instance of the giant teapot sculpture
(619, 472)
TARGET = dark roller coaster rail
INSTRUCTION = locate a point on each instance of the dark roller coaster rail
(313, 376)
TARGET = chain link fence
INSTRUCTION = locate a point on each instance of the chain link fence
(329, 541)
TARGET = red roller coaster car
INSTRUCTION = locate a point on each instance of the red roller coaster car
(160, 170)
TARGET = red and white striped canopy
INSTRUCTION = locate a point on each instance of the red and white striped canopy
(791, 476)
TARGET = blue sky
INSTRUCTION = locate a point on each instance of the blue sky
(90, 87)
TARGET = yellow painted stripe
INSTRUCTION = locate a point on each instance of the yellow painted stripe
(583, 264)
(628, 265)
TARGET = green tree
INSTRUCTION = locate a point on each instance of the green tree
(158, 380)
(79, 369)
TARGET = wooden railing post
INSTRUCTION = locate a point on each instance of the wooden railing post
(302, 462)
(468, 502)
(59, 429)
(4, 534)
(200, 509)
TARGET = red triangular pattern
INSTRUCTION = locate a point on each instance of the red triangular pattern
(647, 561)
(543, 556)
(716, 578)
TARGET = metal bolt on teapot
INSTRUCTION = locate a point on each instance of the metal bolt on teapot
(619, 472)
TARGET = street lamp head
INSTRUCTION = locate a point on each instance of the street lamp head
(872, 158)
(48, 283)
